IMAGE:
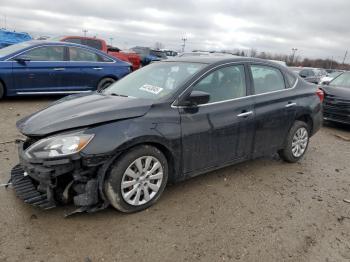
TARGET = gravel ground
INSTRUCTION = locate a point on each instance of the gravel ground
(262, 210)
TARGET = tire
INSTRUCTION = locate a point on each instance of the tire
(125, 171)
(104, 83)
(296, 143)
(2, 91)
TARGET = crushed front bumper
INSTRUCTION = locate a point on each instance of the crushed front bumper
(27, 190)
(75, 179)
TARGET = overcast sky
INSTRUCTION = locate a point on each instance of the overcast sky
(317, 28)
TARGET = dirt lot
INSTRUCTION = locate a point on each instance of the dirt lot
(263, 210)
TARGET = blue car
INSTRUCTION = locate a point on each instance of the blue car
(44, 68)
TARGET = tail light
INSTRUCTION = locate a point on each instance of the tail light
(320, 94)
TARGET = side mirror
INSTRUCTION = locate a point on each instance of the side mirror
(196, 98)
(22, 59)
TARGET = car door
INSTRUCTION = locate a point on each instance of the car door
(275, 108)
(86, 68)
(39, 69)
(220, 131)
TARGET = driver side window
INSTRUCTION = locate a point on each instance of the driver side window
(223, 84)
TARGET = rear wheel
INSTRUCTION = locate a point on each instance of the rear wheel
(296, 142)
(104, 83)
(137, 179)
(2, 91)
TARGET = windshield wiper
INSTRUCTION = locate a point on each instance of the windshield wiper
(115, 94)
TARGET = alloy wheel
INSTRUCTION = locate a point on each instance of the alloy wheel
(142, 180)
(299, 142)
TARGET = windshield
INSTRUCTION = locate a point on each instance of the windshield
(342, 80)
(155, 81)
(13, 48)
(334, 74)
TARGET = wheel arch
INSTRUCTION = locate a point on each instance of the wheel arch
(2, 82)
(306, 118)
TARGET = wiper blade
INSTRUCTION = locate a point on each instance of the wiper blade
(115, 94)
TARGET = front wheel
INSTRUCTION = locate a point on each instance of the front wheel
(296, 142)
(137, 179)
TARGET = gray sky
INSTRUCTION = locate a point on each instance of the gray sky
(317, 28)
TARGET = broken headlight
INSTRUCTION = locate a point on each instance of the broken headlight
(58, 146)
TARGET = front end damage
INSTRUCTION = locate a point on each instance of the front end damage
(48, 183)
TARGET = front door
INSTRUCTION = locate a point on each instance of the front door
(42, 72)
(222, 130)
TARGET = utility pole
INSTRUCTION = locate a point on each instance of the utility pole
(293, 53)
(184, 39)
(331, 63)
(345, 55)
(85, 31)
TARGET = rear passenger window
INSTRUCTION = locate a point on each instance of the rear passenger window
(267, 79)
(79, 54)
(291, 79)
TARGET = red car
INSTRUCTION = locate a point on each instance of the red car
(101, 44)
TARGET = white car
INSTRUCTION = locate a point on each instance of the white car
(326, 79)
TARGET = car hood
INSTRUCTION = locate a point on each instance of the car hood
(81, 111)
(337, 91)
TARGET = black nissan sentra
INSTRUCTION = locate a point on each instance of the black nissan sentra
(166, 122)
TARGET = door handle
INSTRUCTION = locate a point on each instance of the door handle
(290, 104)
(59, 69)
(245, 114)
(97, 68)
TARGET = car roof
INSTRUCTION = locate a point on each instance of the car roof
(220, 60)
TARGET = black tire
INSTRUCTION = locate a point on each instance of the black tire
(113, 182)
(104, 83)
(2, 91)
(287, 152)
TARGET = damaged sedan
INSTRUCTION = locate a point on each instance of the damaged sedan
(164, 123)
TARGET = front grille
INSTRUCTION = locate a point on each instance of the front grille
(26, 189)
(336, 103)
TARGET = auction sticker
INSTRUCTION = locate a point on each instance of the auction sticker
(151, 89)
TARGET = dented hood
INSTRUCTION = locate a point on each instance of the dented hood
(80, 111)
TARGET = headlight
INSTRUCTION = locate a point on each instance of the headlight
(58, 146)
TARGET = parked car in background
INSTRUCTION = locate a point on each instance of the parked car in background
(169, 52)
(312, 75)
(149, 55)
(43, 67)
(100, 44)
(296, 69)
(326, 79)
(168, 121)
(336, 105)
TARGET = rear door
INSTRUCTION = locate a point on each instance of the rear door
(275, 108)
(43, 73)
(86, 68)
(221, 131)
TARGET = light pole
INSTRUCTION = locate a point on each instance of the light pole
(85, 31)
(184, 39)
(294, 50)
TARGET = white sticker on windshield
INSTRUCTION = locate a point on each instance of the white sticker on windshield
(151, 89)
